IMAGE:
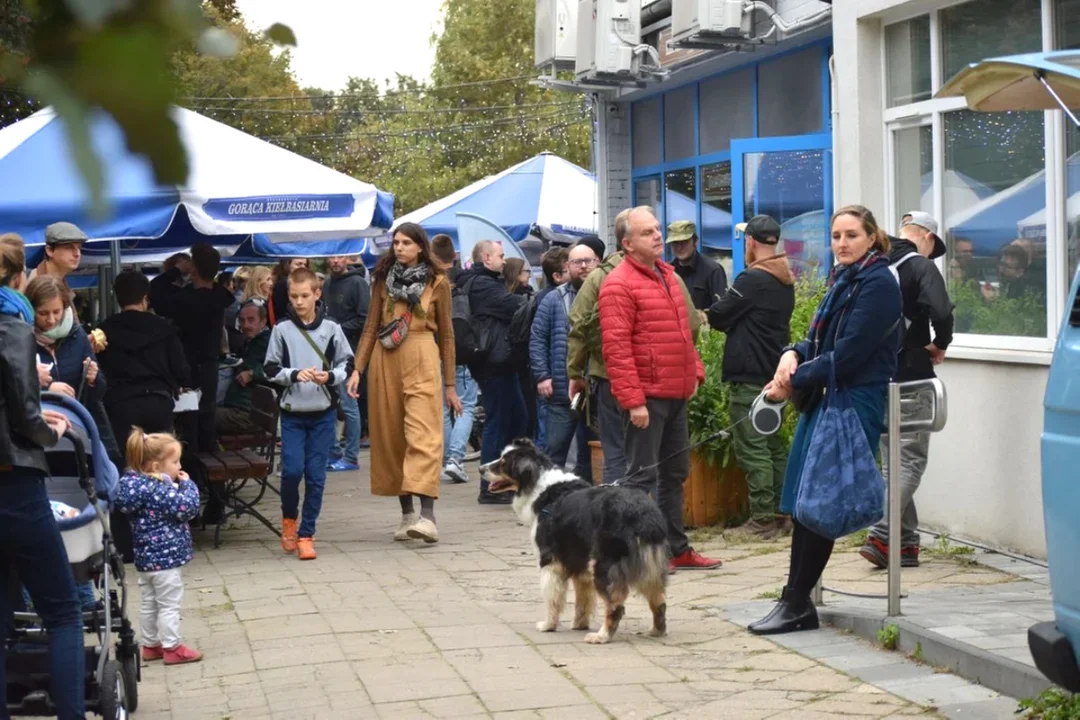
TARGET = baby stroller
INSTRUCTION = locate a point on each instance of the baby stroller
(82, 477)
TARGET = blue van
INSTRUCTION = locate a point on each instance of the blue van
(1055, 645)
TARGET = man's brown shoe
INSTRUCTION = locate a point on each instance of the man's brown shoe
(763, 530)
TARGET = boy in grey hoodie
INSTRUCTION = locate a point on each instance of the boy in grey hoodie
(309, 356)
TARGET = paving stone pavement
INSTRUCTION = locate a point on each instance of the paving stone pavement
(378, 629)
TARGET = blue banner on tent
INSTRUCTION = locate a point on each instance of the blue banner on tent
(280, 207)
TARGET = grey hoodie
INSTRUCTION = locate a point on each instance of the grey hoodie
(290, 352)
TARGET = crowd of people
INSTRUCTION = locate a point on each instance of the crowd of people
(402, 357)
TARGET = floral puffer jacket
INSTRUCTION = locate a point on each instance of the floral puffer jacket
(160, 511)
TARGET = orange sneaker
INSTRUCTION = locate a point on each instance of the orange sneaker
(288, 535)
(306, 548)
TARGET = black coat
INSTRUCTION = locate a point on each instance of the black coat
(199, 314)
(143, 357)
(926, 304)
(24, 434)
(704, 278)
(756, 315)
(347, 300)
(491, 303)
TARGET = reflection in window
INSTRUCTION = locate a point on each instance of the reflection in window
(914, 160)
(716, 213)
(1072, 204)
(1067, 14)
(680, 197)
(997, 243)
(726, 110)
(907, 52)
(645, 121)
(790, 186)
(647, 192)
(982, 29)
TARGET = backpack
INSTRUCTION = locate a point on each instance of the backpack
(894, 268)
(467, 342)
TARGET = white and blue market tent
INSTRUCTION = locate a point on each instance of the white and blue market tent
(545, 190)
(238, 186)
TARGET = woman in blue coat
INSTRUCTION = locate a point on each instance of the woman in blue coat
(855, 334)
(64, 346)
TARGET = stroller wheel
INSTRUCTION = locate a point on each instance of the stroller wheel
(113, 700)
(130, 669)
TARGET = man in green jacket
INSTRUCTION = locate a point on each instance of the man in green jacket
(584, 358)
(232, 418)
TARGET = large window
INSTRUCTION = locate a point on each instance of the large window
(716, 212)
(645, 117)
(986, 176)
(790, 94)
(679, 124)
(727, 110)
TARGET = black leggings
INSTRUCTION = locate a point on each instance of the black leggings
(809, 555)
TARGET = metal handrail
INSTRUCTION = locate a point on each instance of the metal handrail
(935, 423)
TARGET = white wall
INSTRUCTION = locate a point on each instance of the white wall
(983, 481)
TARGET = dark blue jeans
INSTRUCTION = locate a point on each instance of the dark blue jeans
(30, 545)
(505, 415)
(305, 451)
(559, 433)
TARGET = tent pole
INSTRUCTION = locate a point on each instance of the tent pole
(114, 266)
(1041, 77)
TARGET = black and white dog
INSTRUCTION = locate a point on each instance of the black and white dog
(610, 538)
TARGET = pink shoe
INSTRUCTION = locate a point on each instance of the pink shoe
(181, 655)
(152, 652)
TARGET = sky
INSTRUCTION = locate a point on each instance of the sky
(339, 39)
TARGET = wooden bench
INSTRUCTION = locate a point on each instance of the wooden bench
(244, 459)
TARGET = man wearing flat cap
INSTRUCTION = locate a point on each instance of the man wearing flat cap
(756, 315)
(63, 251)
(702, 275)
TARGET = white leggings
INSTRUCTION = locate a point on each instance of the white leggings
(159, 620)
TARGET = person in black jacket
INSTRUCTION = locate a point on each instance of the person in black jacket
(198, 309)
(31, 550)
(703, 276)
(146, 367)
(279, 297)
(493, 306)
(756, 315)
(347, 296)
(926, 305)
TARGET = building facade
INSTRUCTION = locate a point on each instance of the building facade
(841, 112)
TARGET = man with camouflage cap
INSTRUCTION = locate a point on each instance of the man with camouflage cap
(703, 276)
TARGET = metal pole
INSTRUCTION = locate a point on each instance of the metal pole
(114, 265)
(815, 594)
(894, 499)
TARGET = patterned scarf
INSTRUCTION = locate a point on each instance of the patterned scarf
(407, 284)
(14, 303)
(840, 279)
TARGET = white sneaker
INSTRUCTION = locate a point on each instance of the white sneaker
(424, 530)
(455, 472)
(407, 521)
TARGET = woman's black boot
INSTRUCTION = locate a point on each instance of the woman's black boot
(784, 593)
(793, 612)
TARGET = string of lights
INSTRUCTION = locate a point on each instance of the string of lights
(369, 111)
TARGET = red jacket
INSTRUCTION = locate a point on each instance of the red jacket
(645, 330)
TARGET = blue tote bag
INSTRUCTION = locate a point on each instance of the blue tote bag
(840, 488)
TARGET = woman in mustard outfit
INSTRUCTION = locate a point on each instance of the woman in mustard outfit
(409, 340)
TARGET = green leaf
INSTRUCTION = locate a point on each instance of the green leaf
(281, 34)
(217, 42)
(73, 113)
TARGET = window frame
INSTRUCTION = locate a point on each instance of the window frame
(699, 160)
(1002, 348)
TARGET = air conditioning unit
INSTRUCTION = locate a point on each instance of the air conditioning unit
(607, 33)
(556, 33)
(692, 19)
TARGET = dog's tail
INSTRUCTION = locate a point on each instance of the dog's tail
(632, 560)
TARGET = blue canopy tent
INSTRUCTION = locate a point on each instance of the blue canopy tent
(238, 186)
(544, 190)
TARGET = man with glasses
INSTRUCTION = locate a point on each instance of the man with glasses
(547, 352)
(233, 417)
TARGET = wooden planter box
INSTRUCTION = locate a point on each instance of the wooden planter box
(713, 495)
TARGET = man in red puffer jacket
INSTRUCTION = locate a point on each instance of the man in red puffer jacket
(654, 369)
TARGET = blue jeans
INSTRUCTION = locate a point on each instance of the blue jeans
(305, 450)
(541, 421)
(456, 431)
(505, 418)
(349, 445)
(561, 426)
(31, 544)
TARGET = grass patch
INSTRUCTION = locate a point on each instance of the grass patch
(917, 654)
(944, 548)
(704, 534)
(1054, 704)
(211, 610)
(769, 595)
(888, 636)
(858, 539)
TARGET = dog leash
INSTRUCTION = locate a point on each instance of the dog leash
(760, 401)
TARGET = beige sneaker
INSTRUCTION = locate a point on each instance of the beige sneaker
(424, 530)
(407, 521)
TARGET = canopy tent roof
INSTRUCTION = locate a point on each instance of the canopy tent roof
(238, 185)
(1015, 82)
(543, 190)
